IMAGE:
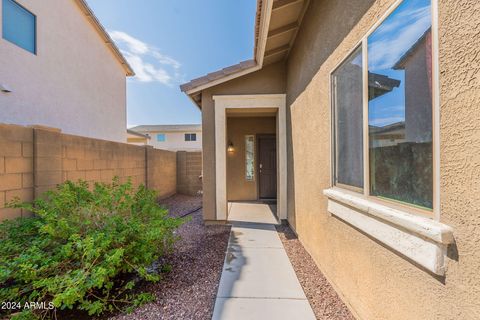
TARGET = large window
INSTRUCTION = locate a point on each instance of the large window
(19, 25)
(399, 108)
(190, 137)
(347, 91)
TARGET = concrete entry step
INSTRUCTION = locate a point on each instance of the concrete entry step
(252, 212)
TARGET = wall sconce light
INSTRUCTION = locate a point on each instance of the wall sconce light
(230, 148)
(4, 88)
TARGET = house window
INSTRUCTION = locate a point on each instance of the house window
(250, 157)
(19, 25)
(398, 100)
(161, 137)
(190, 137)
(347, 88)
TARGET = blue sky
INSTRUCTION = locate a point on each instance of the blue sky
(390, 41)
(171, 42)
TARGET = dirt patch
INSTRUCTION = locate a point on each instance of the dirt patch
(189, 290)
(325, 302)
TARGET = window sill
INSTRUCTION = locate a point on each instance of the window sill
(418, 238)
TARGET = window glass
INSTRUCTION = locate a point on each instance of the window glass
(400, 105)
(249, 157)
(161, 137)
(190, 137)
(18, 25)
(347, 97)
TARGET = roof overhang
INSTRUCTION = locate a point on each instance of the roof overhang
(276, 26)
(138, 134)
(105, 36)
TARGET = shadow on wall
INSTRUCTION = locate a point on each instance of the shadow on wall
(189, 173)
(325, 25)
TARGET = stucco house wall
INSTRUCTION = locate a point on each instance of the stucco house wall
(269, 80)
(73, 83)
(375, 282)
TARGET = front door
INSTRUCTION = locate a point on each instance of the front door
(267, 167)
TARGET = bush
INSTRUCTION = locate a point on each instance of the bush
(81, 245)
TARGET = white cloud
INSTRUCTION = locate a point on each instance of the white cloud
(381, 122)
(397, 35)
(149, 64)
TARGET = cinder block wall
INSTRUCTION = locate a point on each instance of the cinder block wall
(98, 160)
(161, 171)
(35, 159)
(189, 170)
(16, 167)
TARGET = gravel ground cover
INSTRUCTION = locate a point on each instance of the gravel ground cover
(181, 204)
(325, 302)
(189, 290)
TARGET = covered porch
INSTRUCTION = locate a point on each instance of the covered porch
(250, 153)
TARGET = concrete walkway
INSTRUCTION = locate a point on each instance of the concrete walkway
(258, 281)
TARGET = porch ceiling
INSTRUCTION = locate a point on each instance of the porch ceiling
(251, 112)
(285, 20)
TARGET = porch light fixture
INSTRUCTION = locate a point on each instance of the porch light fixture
(230, 148)
(4, 88)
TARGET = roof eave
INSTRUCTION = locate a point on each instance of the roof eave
(220, 80)
(138, 134)
(106, 37)
(263, 16)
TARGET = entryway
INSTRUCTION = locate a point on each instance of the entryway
(252, 212)
(250, 151)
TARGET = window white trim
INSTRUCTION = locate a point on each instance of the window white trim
(435, 212)
(420, 239)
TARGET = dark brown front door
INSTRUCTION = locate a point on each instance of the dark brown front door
(267, 167)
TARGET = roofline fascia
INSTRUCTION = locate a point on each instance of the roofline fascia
(106, 37)
(193, 101)
(265, 15)
(224, 79)
(138, 134)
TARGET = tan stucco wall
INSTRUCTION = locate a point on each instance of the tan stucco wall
(375, 282)
(73, 83)
(270, 80)
(238, 188)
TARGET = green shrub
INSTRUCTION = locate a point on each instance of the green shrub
(82, 245)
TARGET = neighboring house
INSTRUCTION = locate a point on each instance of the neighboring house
(137, 138)
(177, 137)
(59, 68)
(364, 125)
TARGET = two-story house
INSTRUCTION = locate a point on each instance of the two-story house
(60, 68)
(178, 137)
